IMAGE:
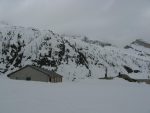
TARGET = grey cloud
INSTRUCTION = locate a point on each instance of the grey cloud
(116, 21)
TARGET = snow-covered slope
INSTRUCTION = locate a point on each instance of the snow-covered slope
(142, 47)
(72, 57)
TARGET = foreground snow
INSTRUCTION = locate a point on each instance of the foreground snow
(84, 96)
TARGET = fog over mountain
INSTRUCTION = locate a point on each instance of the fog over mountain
(115, 21)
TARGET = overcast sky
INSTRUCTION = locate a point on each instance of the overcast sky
(115, 21)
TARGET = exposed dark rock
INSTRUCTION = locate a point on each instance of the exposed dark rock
(128, 69)
(136, 71)
(126, 77)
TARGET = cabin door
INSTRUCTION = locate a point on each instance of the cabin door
(50, 79)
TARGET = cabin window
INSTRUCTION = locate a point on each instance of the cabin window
(28, 78)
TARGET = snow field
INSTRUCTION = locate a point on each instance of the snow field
(84, 96)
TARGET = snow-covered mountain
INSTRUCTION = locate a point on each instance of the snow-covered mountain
(141, 46)
(72, 57)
